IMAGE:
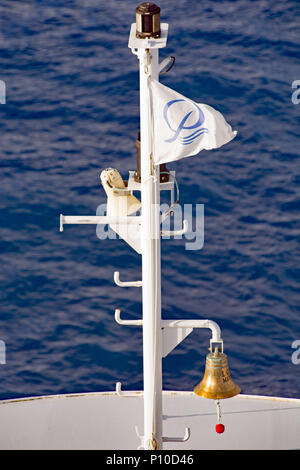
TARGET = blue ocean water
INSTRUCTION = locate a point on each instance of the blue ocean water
(72, 109)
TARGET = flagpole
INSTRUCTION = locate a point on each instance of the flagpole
(151, 260)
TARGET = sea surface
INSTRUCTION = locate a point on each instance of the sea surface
(72, 109)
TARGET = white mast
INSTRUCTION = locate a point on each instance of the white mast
(151, 262)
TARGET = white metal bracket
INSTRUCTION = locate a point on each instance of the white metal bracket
(120, 393)
(166, 65)
(118, 389)
(213, 344)
(164, 439)
(172, 339)
(97, 219)
(170, 233)
(125, 284)
(179, 439)
(126, 322)
(135, 43)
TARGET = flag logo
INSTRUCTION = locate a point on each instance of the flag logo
(189, 139)
(182, 127)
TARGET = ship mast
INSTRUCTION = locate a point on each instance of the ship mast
(151, 258)
(160, 337)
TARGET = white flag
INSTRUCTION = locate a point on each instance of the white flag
(183, 127)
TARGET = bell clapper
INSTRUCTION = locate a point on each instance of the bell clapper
(220, 428)
(218, 410)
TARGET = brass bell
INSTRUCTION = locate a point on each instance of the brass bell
(217, 382)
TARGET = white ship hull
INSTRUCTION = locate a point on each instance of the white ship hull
(107, 421)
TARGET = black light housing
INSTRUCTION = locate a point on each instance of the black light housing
(147, 21)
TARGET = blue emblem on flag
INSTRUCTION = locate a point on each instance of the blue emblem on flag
(189, 139)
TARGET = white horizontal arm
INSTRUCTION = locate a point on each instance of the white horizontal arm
(213, 326)
(179, 439)
(169, 233)
(125, 284)
(126, 322)
(97, 219)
